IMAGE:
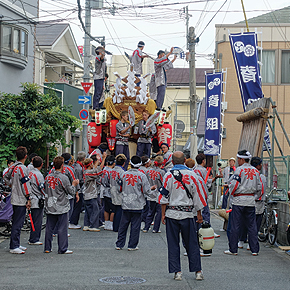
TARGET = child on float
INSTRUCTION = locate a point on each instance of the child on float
(90, 190)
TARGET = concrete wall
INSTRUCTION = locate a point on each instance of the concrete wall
(12, 76)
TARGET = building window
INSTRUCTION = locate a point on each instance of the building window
(7, 33)
(285, 67)
(14, 48)
(268, 66)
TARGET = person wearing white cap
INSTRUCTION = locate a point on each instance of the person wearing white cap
(227, 174)
(242, 189)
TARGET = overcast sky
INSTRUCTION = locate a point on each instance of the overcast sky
(161, 26)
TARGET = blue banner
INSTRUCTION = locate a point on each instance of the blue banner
(245, 54)
(212, 137)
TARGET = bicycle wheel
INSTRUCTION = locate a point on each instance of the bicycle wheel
(273, 228)
(6, 230)
(263, 231)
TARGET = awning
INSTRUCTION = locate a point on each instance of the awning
(63, 57)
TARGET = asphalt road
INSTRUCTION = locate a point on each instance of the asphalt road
(95, 257)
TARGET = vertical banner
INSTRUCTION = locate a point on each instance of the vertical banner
(212, 137)
(245, 54)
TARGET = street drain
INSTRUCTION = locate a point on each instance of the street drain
(122, 280)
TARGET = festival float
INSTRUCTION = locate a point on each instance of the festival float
(133, 99)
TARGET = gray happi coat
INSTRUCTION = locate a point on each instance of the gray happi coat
(17, 177)
(120, 140)
(58, 189)
(137, 61)
(167, 161)
(177, 195)
(100, 68)
(135, 186)
(260, 197)
(155, 177)
(92, 179)
(160, 74)
(115, 175)
(106, 181)
(37, 187)
(142, 130)
(246, 181)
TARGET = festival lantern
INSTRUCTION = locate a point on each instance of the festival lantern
(111, 143)
(113, 130)
(103, 115)
(162, 117)
(94, 134)
(98, 117)
(164, 134)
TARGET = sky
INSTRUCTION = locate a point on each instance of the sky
(160, 26)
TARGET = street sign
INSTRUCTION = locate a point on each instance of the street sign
(178, 135)
(179, 126)
(86, 86)
(85, 100)
(84, 114)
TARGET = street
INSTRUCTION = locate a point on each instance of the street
(95, 257)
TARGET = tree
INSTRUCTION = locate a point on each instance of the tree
(33, 119)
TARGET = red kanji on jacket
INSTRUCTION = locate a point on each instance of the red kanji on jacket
(52, 181)
(153, 174)
(185, 179)
(250, 173)
(131, 179)
(115, 175)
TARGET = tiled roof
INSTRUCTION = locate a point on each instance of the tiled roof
(276, 16)
(180, 76)
(47, 34)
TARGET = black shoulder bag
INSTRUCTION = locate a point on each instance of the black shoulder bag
(178, 176)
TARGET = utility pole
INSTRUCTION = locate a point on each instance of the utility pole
(191, 41)
(87, 57)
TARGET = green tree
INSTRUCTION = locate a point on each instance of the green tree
(33, 119)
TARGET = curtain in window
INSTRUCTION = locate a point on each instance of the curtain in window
(285, 67)
(16, 40)
(7, 31)
(268, 67)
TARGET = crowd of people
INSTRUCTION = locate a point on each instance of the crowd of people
(172, 190)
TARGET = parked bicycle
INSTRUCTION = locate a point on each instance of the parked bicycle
(269, 225)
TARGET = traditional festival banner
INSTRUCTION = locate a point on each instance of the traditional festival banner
(245, 54)
(212, 135)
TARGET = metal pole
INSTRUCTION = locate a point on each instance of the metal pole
(192, 91)
(272, 153)
(87, 56)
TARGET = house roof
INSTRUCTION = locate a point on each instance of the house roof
(277, 16)
(180, 76)
(47, 35)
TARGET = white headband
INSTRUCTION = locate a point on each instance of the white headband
(135, 165)
(247, 156)
(147, 161)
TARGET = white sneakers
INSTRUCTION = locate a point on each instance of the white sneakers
(94, 230)
(154, 232)
(202, 254)
(216, 235)
(199, 276)
(74, 227)
(35, 244)
(178, 276)
(85, 228)
(68, 252)
(108, 226)
(240, 244)
(133, 249)
(17, 251)
(22, 248)
(228, 252)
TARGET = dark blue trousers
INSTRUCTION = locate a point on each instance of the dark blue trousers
(188, 233)
(99, 87)
(37, 216)
(102, 210)
(143, 149)
(123, 149)
(133, 218)
(229, 227)
(160, 96)
(92, 212)
(18, 219)
(62, 238)
(145, 212)
(225, 198)
(154, 208)
(244, 231)
(77, 208)
(239, 215)
(117, 218)
(206, 214)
